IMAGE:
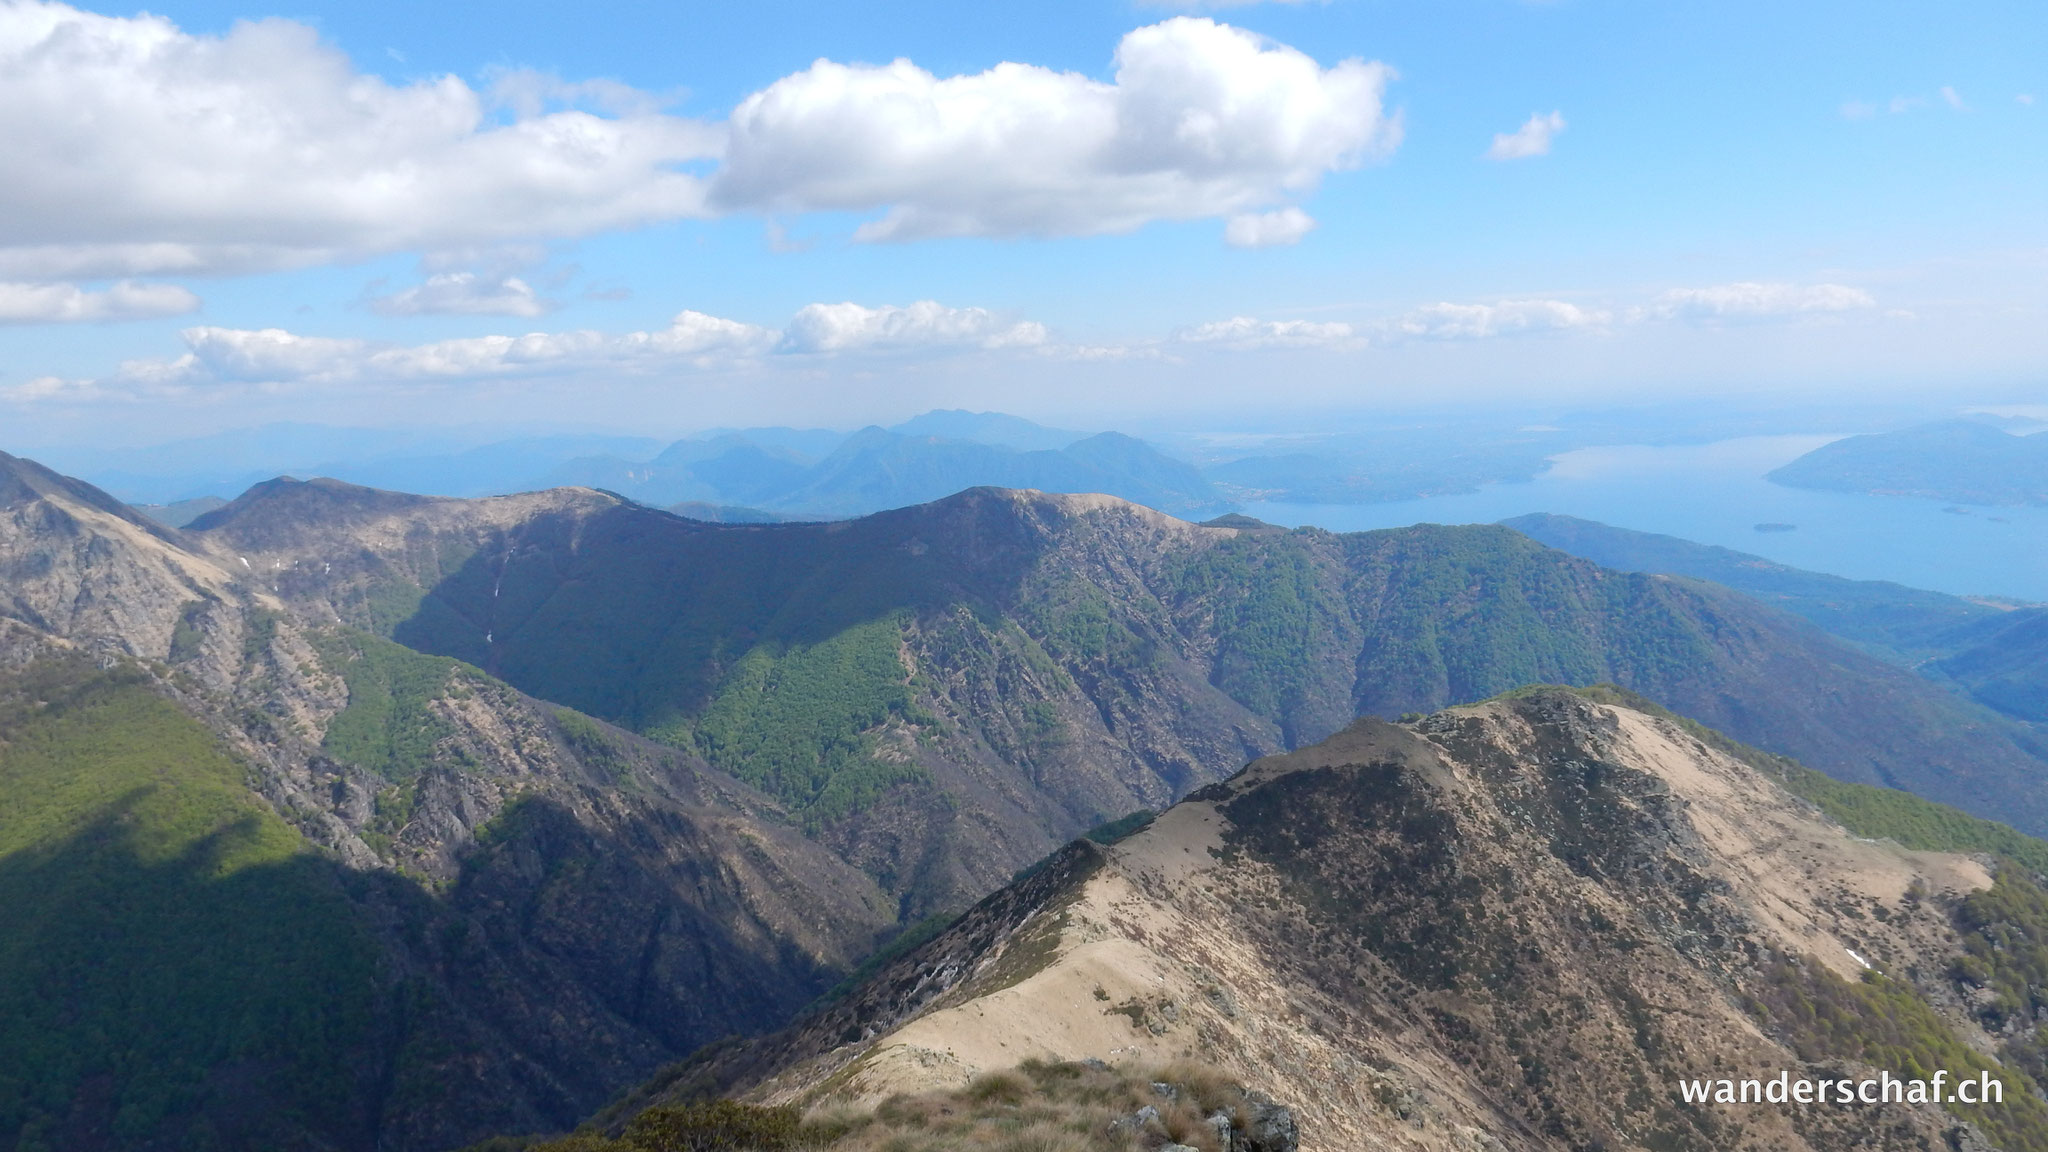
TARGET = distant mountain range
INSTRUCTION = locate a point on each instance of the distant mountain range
(876, 468)
(1995, 653)
(791, 473)
(356, 819)
(1961, 461)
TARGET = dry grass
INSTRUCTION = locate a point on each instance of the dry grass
(1037, 1107)
(1043, 1107)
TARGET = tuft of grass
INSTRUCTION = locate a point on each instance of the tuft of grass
(999, 1088)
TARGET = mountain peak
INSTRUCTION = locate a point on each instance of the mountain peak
(321, 495)
(23, 481)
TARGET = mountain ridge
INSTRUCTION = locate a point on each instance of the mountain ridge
(492, 910)
(1513, 925)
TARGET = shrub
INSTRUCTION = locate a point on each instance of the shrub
(714, 1126)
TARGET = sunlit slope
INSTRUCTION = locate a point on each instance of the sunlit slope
(1516, 925)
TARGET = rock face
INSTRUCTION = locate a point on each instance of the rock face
(1516, 925)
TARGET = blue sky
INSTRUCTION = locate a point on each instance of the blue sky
(1570, 200)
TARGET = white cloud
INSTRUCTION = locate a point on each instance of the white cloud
(50, 388)
(851, 327)
(68, 303)
(277, 356)
(1267, 229)
(1751, 300)
(2024, 99)
(1531, 139)
(270, 357)
(464, 294)
(133, 147)
(1448, 321)
(1202, 120)
(1858, 110)
(1950, 97)
(1243, 334)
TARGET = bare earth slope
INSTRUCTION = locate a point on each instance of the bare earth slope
(1513, 925)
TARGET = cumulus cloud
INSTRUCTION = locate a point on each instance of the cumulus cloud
(68, 303)
(133, 147)
(1244, 334)
(1201, 120)
(1750, 300)
(1531, 139)
(852, 327)
(464, 294)
(1447, 321)
(1267, 229)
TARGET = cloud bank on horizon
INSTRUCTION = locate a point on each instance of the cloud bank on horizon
(693, 341)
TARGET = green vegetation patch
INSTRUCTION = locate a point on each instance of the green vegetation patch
(160, 926)
(1888, 1024)
(1273, 607)
(798, 720)
(2005, 952)
(388, 726)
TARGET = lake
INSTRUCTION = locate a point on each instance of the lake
(1716, 494)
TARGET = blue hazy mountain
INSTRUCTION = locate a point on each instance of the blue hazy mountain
(1963, 461)
(439, 463)
(1388, 464)
(1908, 622)
(1996, 654)
(877, 468)
(987, 428)
(2003, 662)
